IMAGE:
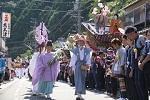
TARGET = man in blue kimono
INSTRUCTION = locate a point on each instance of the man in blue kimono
(80, 63)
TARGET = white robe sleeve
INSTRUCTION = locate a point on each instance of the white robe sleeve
(32, 63)
(73, 60)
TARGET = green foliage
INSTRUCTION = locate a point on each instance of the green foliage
(115, 6)
(57, 14)
(27, 54)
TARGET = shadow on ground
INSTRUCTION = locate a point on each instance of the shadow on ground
(30, 97)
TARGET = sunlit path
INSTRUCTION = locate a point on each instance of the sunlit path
(20, 89)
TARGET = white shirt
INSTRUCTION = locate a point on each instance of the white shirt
(81, 51)
(74, 58)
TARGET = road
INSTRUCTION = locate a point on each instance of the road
(20, 89)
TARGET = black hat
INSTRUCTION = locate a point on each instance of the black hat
(130, 29)
(49, 43)
(109, 58)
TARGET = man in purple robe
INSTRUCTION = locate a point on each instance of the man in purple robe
(46, 71)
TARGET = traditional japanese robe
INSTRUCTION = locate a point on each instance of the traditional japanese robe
(77, 58)
(33, 62)
(45, 74)
(32, 68)
(114, 25)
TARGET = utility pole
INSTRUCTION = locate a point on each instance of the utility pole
(77, 7)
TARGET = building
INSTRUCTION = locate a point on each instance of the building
(138, 14)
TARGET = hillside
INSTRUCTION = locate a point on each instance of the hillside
(59, 16)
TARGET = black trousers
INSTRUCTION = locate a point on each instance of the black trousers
(71, 78)
(108, 84)
(66, 75)
(100, 79)
(147, 75)
(140, 84)
(130, 86)
(114, 83)
(90, 80)
(147, 81)
(2, 74)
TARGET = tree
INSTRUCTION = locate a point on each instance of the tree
(57, 14)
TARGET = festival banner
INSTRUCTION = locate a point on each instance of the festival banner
(6, 24)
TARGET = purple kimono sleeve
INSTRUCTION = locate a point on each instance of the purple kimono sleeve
(39, 69)
(58, 69)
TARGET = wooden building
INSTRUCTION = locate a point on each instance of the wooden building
(138, 14)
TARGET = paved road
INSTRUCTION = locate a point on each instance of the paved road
(20, 89)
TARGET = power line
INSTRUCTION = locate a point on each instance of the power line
(53, 10)
(22, 13)
(49, 15)
(15, 42)
(61, 25)
(67, 20)
(62, 2)
(53, 2)
(40, 9)
(59, 21)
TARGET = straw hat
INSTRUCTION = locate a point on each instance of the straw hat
(122, 31)
(80, 39)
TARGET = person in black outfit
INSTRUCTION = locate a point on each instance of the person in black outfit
(144, 63)
(130, 85)
(100, 72)
(138, 45)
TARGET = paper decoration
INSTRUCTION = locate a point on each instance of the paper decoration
(41, 34)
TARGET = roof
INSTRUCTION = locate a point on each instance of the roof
(90, 27)
(134, 2)
(102, 40)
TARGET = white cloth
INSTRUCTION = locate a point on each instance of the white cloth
(121, 60)
(116, 67)
(81, 51)
(74, 58)
(35, 88)
(33, 62)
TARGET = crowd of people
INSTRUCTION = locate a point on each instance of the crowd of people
(9, 69)
(122, 70)
(6, 73)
